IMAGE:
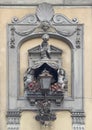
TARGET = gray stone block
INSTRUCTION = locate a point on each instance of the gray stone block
(54, 2)
(78, 2)
(30, 2)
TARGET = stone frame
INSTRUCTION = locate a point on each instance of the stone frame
(34, 26)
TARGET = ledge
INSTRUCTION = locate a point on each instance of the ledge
(53, 2)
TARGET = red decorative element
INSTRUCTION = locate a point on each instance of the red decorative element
(33, 86)
(30, 85)
(55, 87)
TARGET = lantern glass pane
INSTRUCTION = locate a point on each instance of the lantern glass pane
(45, 82)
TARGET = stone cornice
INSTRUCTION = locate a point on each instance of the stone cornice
(53, 2)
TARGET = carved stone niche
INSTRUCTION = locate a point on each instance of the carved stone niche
(45, 64)
(58, 26)
(45, 80)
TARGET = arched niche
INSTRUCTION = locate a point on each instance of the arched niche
(65, 34)
(66, 59)
(31, 27)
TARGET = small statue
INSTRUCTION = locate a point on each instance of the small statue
(28, 77)
(62, 81)
(45, 49)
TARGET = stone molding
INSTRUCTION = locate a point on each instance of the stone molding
(78, 121)
(53, 2)
(34, 26)
(13, 120)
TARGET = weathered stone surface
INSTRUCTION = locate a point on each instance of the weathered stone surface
(30, 2)
(35, 2)
(78, 2)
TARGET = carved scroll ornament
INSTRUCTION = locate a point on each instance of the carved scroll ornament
(45, 20)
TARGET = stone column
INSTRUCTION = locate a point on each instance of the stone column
(78, 121)
(13, 120)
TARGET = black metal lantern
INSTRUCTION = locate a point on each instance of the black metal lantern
(45, 81)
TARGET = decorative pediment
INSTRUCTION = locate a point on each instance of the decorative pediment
(44, 20)
(45, 54)
(55, 49)
(44, 13)
(37, 49)
(34, 50)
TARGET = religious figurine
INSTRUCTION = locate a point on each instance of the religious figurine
(62, 81)
(45, 49)
(28, 77)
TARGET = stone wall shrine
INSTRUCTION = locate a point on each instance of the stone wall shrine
(46, 81)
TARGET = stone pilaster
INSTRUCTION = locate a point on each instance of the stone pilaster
(13, 120)
(78, 121)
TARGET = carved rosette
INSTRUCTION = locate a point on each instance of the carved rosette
(78, 120)
(13, 120)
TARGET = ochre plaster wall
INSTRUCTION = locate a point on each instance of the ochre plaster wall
(28, 118)
(63, 121)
